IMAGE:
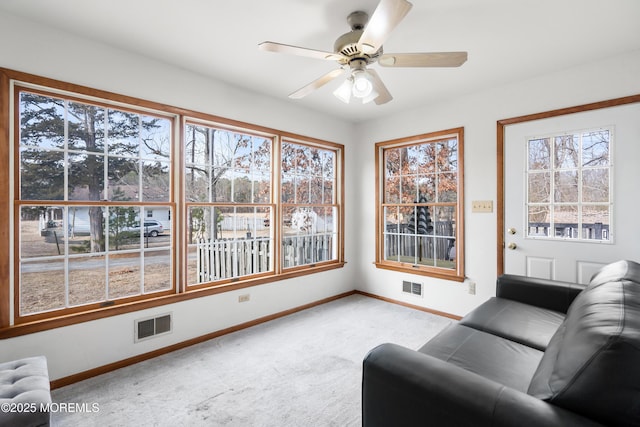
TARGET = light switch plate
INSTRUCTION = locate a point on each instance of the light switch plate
(482, 206)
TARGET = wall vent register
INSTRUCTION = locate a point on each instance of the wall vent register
(412, 288)
(150, 327)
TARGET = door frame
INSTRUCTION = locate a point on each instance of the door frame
(501, 128)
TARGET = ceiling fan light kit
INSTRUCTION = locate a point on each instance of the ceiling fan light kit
(359, 86)
(361, 47)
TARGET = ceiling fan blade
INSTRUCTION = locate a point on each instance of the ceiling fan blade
(385, 18)
(433, 59)
(300, 51)
(306, 90)
(383, 94)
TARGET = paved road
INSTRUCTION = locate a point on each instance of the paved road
(90, 263)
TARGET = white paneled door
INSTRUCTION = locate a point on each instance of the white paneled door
(572, 193)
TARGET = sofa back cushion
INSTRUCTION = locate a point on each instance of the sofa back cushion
(592, 364)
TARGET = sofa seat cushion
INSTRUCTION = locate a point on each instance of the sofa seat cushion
(591, 363)
(498, 359)
(515, 321)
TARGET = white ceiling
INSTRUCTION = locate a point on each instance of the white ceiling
(507, 40)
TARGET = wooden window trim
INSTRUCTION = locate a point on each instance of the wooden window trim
(337, 205)
(45, 321)
(212, 123)
(457, 274)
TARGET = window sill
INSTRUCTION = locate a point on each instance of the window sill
(114, 310)
(438, 273)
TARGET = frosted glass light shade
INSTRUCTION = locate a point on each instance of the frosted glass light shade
(362, 85)
(343, 93)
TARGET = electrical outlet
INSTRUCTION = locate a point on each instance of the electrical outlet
(243, 298)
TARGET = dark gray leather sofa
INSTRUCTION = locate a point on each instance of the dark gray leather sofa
(541, 353)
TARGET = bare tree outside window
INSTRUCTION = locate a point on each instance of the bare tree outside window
(99, 185)
(568, 190)
(79, 163)
(420, 203)
(228, 196)
(310, 211)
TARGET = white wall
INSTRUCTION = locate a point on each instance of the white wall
(56, 54)
(478, 113)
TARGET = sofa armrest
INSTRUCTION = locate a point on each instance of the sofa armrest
(551, 294)
(403, 387)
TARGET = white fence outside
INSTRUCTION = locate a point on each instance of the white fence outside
(227, 258)
(400, 241)
(307, 249)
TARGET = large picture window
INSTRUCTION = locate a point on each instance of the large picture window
(88, 176)
(420, 204)
(114, 204)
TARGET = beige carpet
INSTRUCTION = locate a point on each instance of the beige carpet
(301, 370)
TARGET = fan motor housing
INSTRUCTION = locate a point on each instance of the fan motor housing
(347, 44)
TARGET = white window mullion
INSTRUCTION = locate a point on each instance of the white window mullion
(252, 171)
(143, 213)
(552, 188)
(140, 162)
(105, 196)
(275, 211)
(105, 153)
(66, 198)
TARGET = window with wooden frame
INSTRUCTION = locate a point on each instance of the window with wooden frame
(310, 208)
(87, 174)
(228, 195)
(419, 204)
(233, 217)
(112, 204)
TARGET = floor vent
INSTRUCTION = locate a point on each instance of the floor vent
(412, 288)
(153, 326)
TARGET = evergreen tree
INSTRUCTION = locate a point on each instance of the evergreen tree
(52, 128)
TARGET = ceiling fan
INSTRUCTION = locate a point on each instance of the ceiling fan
(362, 46)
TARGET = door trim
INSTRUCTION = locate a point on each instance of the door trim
(501, 127)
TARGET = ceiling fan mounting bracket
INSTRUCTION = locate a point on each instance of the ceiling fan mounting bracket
(347, 46)
(357, 20)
